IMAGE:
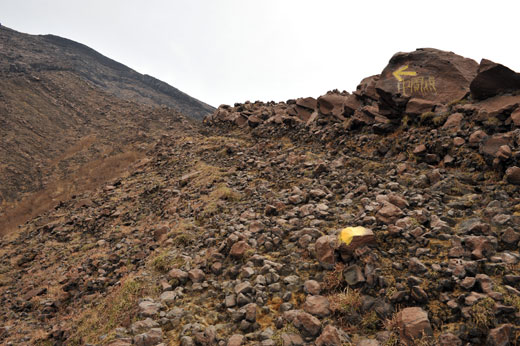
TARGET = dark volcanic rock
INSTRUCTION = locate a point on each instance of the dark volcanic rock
(493, 79)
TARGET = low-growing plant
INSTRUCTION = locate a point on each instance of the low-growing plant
(482, 314)
(114, 311)
(165, 261)
(333, 279)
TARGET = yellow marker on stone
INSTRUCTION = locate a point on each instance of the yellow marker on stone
(347, 234)
(353, 237)
(401, 72)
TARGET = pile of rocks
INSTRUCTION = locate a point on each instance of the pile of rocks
(456, 107)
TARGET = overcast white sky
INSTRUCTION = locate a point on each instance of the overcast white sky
(226, 51)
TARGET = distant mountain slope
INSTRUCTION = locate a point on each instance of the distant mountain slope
(63, 128)
(22, 53)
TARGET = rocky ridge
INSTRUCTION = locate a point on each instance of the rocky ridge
(235, 233)
(451, 112)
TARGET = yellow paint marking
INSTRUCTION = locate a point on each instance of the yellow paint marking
(347, 234)
(401, 72)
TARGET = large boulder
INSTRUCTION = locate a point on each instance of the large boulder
(367, 88)
(307, 102)
(493, 79)
(332, 104)
(498, 105)
(427, 73)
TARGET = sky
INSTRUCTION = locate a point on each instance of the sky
(227, 51)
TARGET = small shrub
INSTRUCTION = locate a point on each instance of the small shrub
(347, 302)
(370, 322)
(183, 239)
(346, 306)
(482, 314)
(426, 118)
(164, 261)
(333, 280)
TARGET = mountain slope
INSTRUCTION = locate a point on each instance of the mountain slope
(371, 218)
(65, 109)
(60, 135)
(22, 52)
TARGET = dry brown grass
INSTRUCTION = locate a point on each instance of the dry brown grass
(83, 144)
(333, 279)
(117, 309)
(88, 177)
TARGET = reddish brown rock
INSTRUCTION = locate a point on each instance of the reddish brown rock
(367, 88)
(312, 287)
(291, 339)
(453, 121)
(476, 138)
(448, 339)
(325, 247)
(439, 76)
(515, 117)
(304, 114)
(160, 232)
(238, 249)
(254, 120)
(305, 322)
(397, 200)
(236, 340)
(497, 105)
(458, 141)
(352, 238)
(509, 236)
(177, 276)
(317, 305)
(329, 337)
(152, 337)
(500, 336)
(331, 104)
(359, 119)
(307, 102)
(493, 79)
(513, 175)
(240, 119)
(504, 152)
(480, 246)
(491, 144)
(417, 106)
(420, 149)
(351, 104)
(196, 275)
(389, 213)
(413, 324)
